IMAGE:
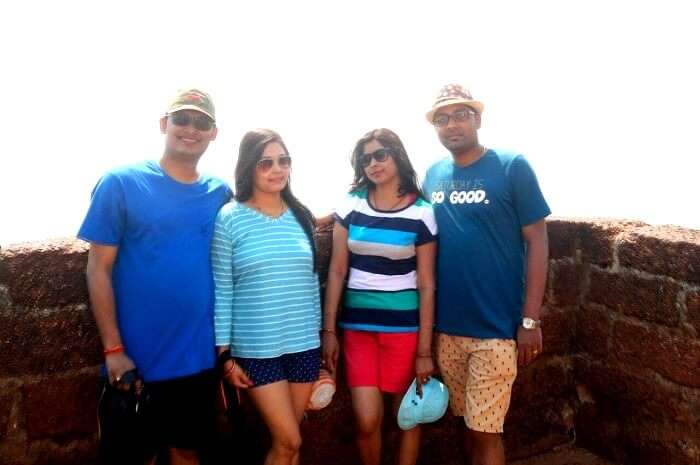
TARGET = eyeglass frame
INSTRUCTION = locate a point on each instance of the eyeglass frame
(467, 111)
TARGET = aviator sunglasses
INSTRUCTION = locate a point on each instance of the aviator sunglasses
(284, 162)
(379, 156)
(200, 122)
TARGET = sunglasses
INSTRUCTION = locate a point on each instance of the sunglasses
(284, 162)
(379, 156)
(460, 116)
(200, 122)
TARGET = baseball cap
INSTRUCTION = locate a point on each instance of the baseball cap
(429, 407)
(192, 99)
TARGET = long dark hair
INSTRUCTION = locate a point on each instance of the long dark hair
(251, 150)
(408, 181)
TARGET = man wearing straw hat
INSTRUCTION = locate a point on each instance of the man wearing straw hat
(492, 269)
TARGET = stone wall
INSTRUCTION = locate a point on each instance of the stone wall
(620, 373)
(635, 290)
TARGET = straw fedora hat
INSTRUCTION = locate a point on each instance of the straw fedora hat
(451, 94)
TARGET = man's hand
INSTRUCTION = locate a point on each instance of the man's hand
(118, 364)
(529, 345)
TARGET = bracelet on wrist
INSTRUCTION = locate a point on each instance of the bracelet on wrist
(221, 360)
(113, 350)
(329, 331)
(230, 370)
(424, 356)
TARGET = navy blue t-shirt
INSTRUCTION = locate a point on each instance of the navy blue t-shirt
(480, 210)
(162, 279)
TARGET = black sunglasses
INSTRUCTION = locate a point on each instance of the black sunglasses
(284, 162)
(200, 122)
(379, 156)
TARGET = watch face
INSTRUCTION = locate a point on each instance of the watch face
(529, 323)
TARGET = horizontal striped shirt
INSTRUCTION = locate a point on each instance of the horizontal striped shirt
(267, 295)
(381, 293)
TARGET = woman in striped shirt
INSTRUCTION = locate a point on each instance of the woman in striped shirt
(385, 236)
(267, 309)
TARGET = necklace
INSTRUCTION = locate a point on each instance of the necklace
(276, 213)
(392, 207)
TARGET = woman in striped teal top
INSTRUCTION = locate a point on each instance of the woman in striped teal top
(384, 243)
(267, 309)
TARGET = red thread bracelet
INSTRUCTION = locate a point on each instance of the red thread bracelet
(113, 350)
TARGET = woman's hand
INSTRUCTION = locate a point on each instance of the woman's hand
(424, 369)
(235, 376)
(330, 350)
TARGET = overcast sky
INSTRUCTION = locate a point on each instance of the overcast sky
(601, 97)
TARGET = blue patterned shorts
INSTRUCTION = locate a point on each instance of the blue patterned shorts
(300, 367)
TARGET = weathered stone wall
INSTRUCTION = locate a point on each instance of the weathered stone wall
(620, 372)
(49, 355)
(636, 291)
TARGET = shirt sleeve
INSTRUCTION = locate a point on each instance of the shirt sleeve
(222, 269)
(530, 204)
(346, 207)
(105, 220)
(428, 226)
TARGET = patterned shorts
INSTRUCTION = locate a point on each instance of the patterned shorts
(300, 367)
(479, 374)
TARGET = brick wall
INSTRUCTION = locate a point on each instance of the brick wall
(636, 354)
(620, 372)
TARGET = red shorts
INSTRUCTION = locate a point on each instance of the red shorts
(385, 360)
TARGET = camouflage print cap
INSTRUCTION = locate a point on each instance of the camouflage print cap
(192, 99)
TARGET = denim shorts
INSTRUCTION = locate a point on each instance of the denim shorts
(300, 367)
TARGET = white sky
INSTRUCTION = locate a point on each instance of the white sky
(602, 97)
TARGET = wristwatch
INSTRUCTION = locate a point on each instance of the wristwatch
(529, 323)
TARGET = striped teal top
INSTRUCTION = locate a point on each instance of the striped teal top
(267, 295)
(381, 293)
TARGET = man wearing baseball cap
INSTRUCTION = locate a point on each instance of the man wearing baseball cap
(150, 228)
(492, 268)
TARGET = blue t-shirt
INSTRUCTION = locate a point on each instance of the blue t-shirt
(480, 210)
(162, 279)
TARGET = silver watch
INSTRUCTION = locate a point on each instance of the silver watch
(529, 323)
